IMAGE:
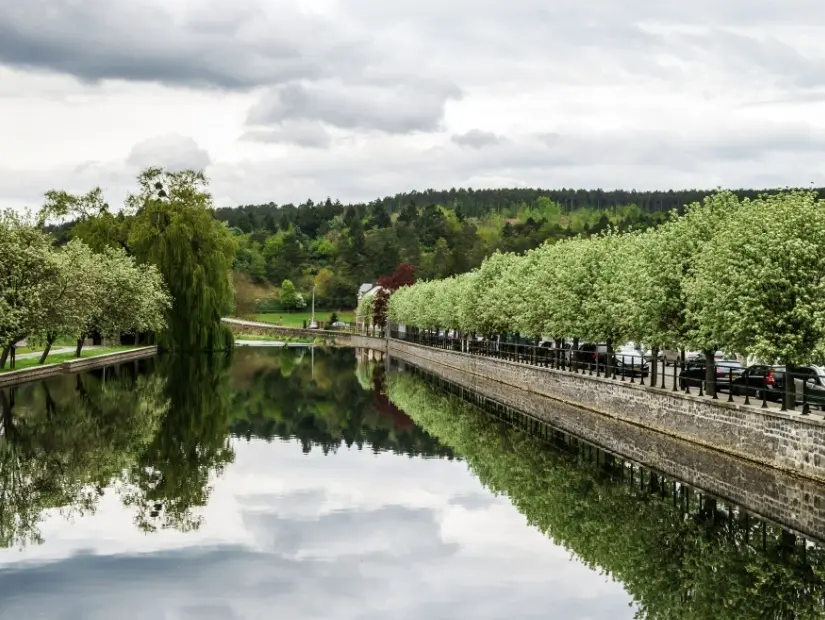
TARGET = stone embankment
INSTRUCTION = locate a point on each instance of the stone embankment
(16, 377)
(784, 440)
(332, 338)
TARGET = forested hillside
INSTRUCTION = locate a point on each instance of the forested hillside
(337, 247)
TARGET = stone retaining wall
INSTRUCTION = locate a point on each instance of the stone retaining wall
(792, 501)
(782, 440)
(333, 337)
(16, 377)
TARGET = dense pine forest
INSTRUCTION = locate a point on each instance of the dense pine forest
(337, 247)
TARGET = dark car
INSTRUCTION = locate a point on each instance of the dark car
(694, 373)
(810, 385)
(761, 380)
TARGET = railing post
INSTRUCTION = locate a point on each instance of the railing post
(675, 367)
(730, 385)
(623, 366)
(806, 407)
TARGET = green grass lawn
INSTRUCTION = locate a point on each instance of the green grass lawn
(65, 357)
(296, 319)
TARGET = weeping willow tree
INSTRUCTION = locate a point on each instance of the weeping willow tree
(174, 230)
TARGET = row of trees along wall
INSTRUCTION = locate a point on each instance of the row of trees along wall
(741, 275)
(161, 263)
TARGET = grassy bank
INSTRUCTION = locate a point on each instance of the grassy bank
(32, 362)
(296, 319)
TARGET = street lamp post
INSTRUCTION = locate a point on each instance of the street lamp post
(312, 323)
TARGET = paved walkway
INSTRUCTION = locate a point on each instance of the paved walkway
(55, 351)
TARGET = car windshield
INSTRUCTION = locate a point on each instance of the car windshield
(729, 364)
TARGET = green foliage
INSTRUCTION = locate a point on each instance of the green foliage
(49, 292)
(290, 298)
(760, 283)
(28, 271)
(174, 230)
(742, 276)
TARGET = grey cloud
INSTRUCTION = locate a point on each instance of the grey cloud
(300, 133)
(476, 139)
(731, 157)
(233, 582)
(206, 45)
(172, 151)
(398, 109)
(754, 154)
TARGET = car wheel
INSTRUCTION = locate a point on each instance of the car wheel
(758, 394)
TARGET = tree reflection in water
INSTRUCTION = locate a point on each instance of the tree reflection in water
(153, 437)
(680, 554)
(316, 398)
(65, 440)
(170, 479)
(158, 433)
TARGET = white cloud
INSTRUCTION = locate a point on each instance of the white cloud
(358, 99)
(351, 535)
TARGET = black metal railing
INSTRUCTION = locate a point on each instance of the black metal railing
(808, 392)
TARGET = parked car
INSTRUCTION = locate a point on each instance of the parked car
(590, 353)
(758, 380)
(695, 356)
(694, 373)
(630, 360)
(671, 356)
(809, 382)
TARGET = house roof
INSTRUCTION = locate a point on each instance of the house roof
(367, 286)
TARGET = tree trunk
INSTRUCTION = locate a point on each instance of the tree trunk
(79, 345)
(574, 354)
(4, 356)
(13, 354)
(710, 373)
(46, 351)
(608, 362)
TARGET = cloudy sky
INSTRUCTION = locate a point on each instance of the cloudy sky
(283, 100)
(288, 535)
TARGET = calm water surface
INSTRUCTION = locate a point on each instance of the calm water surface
(300, 484)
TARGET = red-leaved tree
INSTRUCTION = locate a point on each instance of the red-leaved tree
(404, 275)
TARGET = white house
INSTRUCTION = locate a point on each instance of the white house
(365, 290)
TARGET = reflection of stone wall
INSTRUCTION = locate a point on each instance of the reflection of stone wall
(782, 440)
(791, 501)
(289, 332)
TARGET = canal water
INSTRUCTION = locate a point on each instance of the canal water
(299, 483)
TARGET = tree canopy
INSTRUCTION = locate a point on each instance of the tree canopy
(745, 276)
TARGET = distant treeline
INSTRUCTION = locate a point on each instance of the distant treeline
(473, 203)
